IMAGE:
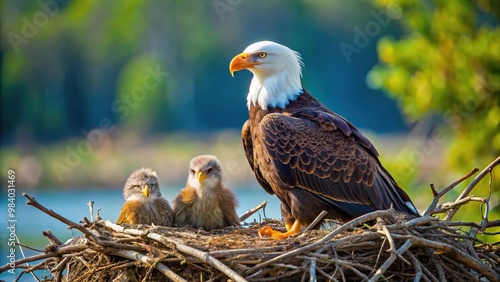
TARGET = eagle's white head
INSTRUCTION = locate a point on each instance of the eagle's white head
(277, 71)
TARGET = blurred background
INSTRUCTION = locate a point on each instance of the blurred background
(92, 90)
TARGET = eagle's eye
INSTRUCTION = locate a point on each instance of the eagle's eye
(209, 170)
(262, 55)
(191, 170)
(137, 187)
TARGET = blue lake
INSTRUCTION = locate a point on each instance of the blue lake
(73, 205)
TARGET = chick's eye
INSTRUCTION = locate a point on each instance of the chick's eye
(209, 170)
(191, 170)
(262, 54)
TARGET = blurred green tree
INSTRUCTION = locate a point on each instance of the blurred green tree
(448, 66)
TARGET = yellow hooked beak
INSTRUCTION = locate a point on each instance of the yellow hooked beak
(145, 191)
(201, 176)
(240, 62)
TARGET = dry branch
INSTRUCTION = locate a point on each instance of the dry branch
(71, 224)
(250, 212)
(316, 220)
(473, 184)
(437, 196)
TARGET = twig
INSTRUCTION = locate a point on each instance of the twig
(98, 216)
(437, 263)
(471, 186)
(22, 273)
(27, 247)
(316, 220)
(489, 224)
(54, 241)
(117, 266)
(473, 232)
(82, 260)
(457, 254)
(250, 212)
(327, 276)
(379, 253)
(37, 266)
(419, 274)
(412, 223)
(339, 269)
(60, 266)
(455, 205)
(71, 224)
(278, 277)
(438, 196)
(24, 256)
(210, 260)
(487, 202)
(59, 252)
(148, 261)
(392, 249)
(91, 207)
(312, 271)
(390, 260)
(225, 253)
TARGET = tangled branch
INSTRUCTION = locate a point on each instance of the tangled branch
(378, 245)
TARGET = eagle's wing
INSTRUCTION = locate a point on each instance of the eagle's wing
(122, 218)
(228, 204)
(246, 136)
(182, 205)
(164, 213)
(330, 159)
(128, 214)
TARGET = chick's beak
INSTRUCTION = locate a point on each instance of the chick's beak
(146, 190)
(240, 62)
(201, 176)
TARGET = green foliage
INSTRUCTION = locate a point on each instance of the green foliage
(140, 94)
(448, 65)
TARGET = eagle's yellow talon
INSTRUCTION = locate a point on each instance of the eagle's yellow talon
(269, 232)
(265, 231)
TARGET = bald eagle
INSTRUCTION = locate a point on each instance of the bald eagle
(311, 158)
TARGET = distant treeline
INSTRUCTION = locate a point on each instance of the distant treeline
(160, 66)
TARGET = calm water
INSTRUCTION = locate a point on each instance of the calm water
(73, 205)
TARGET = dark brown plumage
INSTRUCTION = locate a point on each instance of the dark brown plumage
(310, 157)
(143, 201)
(205, 202)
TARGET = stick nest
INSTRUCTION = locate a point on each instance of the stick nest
(382, 245)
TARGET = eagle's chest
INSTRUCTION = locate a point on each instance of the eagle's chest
(207, 213)
(141, 211)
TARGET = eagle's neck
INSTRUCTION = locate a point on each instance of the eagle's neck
(275, 90)
(205, 189)
(141, 198)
